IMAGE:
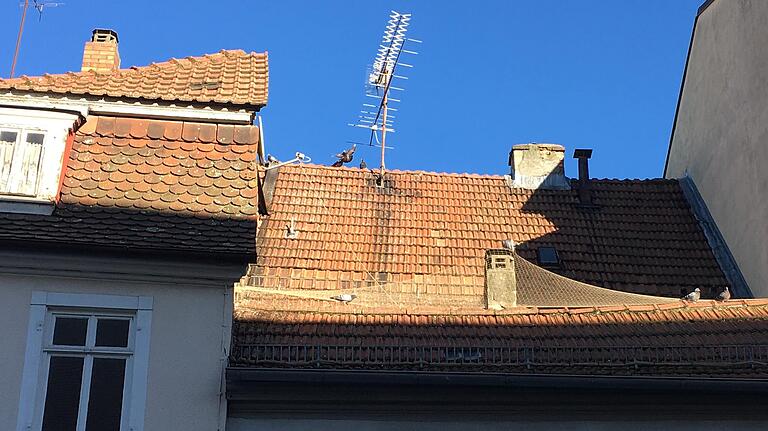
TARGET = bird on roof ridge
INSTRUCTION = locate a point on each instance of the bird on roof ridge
(344, 297)
(693, 296)
(725, 295)
(345, 156)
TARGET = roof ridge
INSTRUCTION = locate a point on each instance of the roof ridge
(470, 174)
(395, 171)
(172, 62)
(530, 310)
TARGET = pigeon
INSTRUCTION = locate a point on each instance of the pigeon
(363, 165)
(345, 297)
(724, 295)
(271, 160)
(508, 244)
(693, 296)
(345, 156)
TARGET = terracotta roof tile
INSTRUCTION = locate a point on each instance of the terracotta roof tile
(425, 226)
(129, 190)
(204, 79)
(636, 340)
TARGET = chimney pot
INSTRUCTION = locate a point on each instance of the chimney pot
(538, 166)
(101, 53)
(585, 192)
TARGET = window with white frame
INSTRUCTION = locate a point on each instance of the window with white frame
(86, 363)
(88, 360)
(21, 151)
(33, 143)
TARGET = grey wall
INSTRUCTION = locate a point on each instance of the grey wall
(721, 134)
(189, 323)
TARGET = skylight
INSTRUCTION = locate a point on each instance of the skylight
(547, 256)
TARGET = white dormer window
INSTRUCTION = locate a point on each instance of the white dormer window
(20, 154)
(32, 144)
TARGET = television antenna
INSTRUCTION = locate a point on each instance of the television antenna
(376, 117)
(39, 6)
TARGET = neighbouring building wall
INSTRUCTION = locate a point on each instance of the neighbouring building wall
(720, 137)
(190, 324)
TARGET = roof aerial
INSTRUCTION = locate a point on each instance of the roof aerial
(376, 117)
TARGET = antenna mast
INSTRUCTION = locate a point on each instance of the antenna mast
(39, 5)
(379, 81)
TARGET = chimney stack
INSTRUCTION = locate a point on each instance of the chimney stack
(585, 191)
(100, 53)
(538, 166)
(500, 279)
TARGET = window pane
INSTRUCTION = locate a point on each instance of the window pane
(63, 397)
(106, 399)
(70, 331)
(112, 332)
(35, 138)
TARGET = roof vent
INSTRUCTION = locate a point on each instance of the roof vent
(538, 166)
(100, 53)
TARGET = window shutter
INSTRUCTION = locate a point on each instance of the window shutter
(26, 158)
(7, 142)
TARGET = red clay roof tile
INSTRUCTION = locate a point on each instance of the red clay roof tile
(129, 190)
(203, 79)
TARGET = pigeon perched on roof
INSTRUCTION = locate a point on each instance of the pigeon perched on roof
(363, 165)
(271, 160)
(693, 296)
(724, 295)
(508, 244)
(345, 297)
(345, 156)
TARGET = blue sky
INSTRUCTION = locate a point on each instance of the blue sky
(587, 73)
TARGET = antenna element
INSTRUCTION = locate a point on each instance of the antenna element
(379, 81)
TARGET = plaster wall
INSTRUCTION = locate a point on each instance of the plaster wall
(185, 358)
(720, 137)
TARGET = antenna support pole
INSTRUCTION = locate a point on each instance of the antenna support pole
(383, 131)
(18, 39)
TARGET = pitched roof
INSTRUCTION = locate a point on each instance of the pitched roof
(413, 251)
(427, 233)
(145, 184)
(704, 339)
(227, 77)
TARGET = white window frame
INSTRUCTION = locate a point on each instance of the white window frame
(36, 358)
(56, 127)
(21, 136)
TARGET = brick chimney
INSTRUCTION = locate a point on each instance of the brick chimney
(100, 53)
(500, 279)
(538, 166)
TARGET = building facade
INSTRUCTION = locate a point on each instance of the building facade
(721, 127)
(127, 211)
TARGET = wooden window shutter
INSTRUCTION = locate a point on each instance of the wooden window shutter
(7, 143)
(28, 160)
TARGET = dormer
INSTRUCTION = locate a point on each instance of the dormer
(33, 144)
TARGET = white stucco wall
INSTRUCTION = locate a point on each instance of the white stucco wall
(721, 135)
(188, 324)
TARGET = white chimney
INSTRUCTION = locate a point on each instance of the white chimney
(538, 166)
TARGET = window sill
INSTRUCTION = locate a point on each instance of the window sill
(24, 205)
